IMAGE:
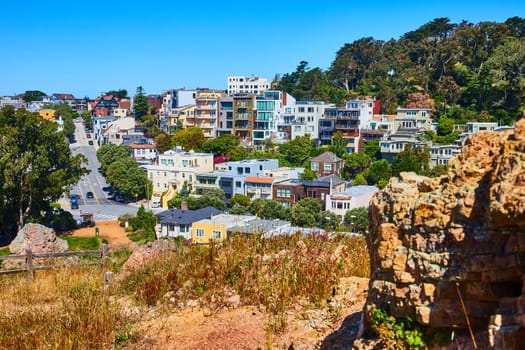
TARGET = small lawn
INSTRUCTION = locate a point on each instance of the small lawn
(82, 243)
(4, 251)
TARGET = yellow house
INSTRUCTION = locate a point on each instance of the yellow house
(47, 114)
(216, 228)
(180, 116)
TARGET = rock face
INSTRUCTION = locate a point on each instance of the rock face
(435, 241)
(38, 238)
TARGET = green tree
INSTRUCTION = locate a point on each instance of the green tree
(33, 95)
(240, 199)
(329, 220)
(308, 174)
(269, 209)
(357, 220)
(356, 162)
(338, 145)
(372, 149)
(163, 142)
(144, 221)
(64, 111)
(297, 151)
(359, 180)
(140, 103)
(191, 138)
(109, 153)
(125, 175)
(238, 153)
(36, 167)
(88, 120)
(379, 170)
(221, 145)
(305, 212)
(121, 93)
(414, 159)
(445, 126)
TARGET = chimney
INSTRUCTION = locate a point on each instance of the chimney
(184, 205)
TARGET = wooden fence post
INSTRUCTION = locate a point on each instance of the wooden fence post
(29, 263)
(105, 251)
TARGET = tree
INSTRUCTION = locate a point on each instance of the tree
(191, 138)
(297, 151)
(88, 121)
(125, 175)
(163, 142)
(357, 219)
(140, 103)
(221, 145)
(306, 212)
(144, 221)
(109, 153)
(121, 93)
(329, 221)
(338, 145)
(238, 153)
(33, 95)
(414, 159)
(209, 198)
(240, 199)
(269, 209)
(445, 126)
(64, 111)
(356, 162)
(372, 149)
(359, 180)
(308, 174)
(379, 170)
(36, 167)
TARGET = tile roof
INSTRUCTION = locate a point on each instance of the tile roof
(186, 217)
(258, 179)
(141, 145)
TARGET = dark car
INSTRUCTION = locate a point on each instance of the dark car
(119, 198)
(74, 197)
(90, 142)
(89, 195)
(88, 135)
(74, 205)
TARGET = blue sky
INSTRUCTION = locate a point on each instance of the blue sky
(88, 47)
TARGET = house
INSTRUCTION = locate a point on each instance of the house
(100, 124)
(47, 114)
(232, 180)
(326, 164)
(441, 154)
(115, 130)
(178, 222)
(337, 185)
(104, 105)
(258, 187)
(143, 152)
(249, 85)
(291, 191)
(354, 197)
(216, 228)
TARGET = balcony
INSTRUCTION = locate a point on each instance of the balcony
(258, 190)
(206, 107)
(205, 116)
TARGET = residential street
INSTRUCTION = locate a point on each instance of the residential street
(102, 207)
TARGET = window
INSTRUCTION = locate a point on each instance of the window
(216, 234)
(237, 184)
(247, 170)
(327, 167)
(239, 170)
(183, 228)
(315, 166)
(199, 233)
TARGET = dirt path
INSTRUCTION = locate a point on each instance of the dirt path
(110, 230)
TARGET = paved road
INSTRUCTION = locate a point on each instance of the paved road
(102, 207)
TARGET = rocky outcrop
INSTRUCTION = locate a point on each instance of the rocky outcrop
(436, 241)
(39, 239)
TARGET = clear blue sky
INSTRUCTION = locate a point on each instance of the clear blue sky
(87, 47)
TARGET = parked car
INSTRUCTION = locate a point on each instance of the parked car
(74, 205)
(90, 195)
(119, 198)
(90, 142)
(88, 135)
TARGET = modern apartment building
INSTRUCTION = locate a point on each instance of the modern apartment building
(247, 85)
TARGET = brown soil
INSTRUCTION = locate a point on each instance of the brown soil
(245, 327)
(110, 230)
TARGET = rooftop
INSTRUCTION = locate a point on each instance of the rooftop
(186, 217)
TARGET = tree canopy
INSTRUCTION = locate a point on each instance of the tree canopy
(36, 167)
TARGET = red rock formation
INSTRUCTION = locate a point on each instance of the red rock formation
(432, 237)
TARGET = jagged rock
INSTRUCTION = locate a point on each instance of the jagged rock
(39, 239)
(436, 241)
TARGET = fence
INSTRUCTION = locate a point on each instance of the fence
(29, 256)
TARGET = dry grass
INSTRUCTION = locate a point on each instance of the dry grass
(68, 308)
(58, 309)
(272, 273)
